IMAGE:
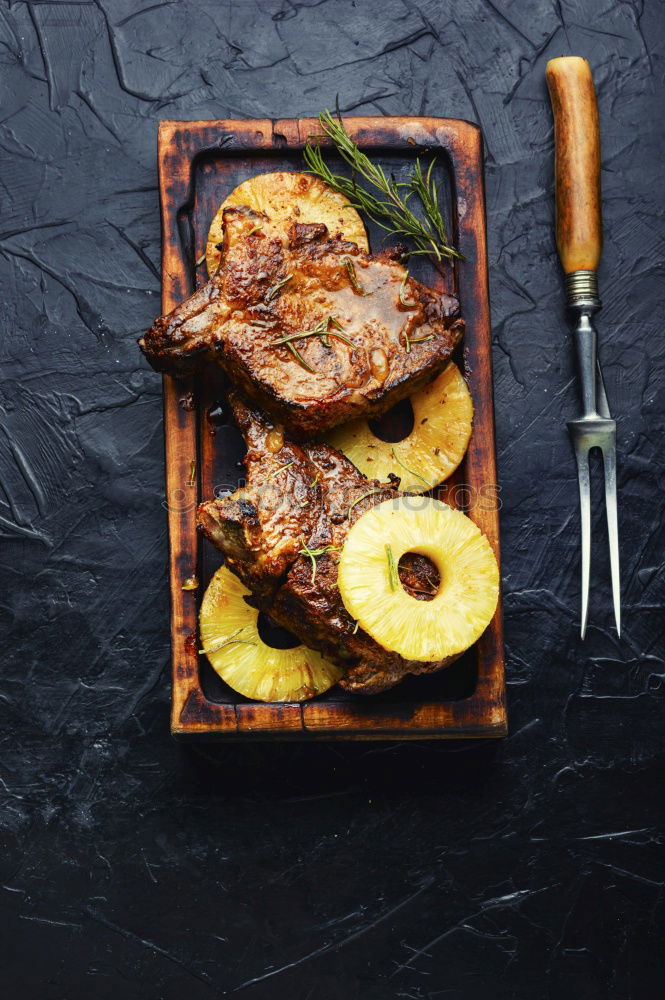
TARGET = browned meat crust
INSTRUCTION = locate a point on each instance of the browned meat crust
(297, 497)
(381, 333)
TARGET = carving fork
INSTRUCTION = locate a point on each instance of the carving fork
(579, 238)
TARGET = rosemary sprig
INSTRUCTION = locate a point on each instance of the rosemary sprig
(231, 641)
(273, 292)
(411, 472)
(389, 209)
(393, 576)
(313, 553)
(321, 330)
(364, 497)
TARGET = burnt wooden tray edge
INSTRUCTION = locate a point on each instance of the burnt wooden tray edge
(193, 716)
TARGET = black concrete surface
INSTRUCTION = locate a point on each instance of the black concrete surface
(132, 867)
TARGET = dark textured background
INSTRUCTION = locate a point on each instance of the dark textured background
(133, 867)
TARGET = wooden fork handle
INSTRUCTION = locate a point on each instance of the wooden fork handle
(579, 228)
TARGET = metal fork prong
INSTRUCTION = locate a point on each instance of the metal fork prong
(582, 456)
(610, 466)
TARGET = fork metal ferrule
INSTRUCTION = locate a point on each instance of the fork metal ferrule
(582, 290)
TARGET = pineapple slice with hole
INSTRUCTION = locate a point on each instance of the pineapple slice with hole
(442, 421)
(372, 593)
(287, 198)
(231, 641)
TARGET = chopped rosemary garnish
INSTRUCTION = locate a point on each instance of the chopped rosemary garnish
(281, 469)
(393, 577)
(405, 302)
(320, 330)
(388, 208)
(314, 481)
(313, 553)
(356, 628)
(421, 340)
(231, 641)
(192, 473)
(256, 229)
(364, 497)
(273, 292)
(411, 472)
(351, 271)
(200, 260)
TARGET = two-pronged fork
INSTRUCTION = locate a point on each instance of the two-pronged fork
(579, 242)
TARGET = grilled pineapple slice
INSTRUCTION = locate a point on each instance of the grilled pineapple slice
(442, 419)
(287, 198)
(372, 593)
(231, 641)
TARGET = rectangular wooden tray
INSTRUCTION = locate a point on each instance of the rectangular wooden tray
(199, 164)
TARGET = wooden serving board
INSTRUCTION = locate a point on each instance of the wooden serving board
(199, 164)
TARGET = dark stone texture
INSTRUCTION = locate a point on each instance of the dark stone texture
(133, 867)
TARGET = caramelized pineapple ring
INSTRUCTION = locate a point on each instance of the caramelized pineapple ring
(231, 641)
(442, 420)
(372, 593)
(287, 198)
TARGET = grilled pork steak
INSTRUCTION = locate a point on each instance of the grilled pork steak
(300, 498)
(312, 329)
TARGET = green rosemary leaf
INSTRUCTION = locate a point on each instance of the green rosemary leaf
(351, 271)
(298, 356)
(313, 553)
(403, 300)
(393, 576)
(411, 472)
(273, 292)
(363, 497)
(231, 641)
(281, 468)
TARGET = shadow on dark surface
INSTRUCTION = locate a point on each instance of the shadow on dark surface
(309, 771)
